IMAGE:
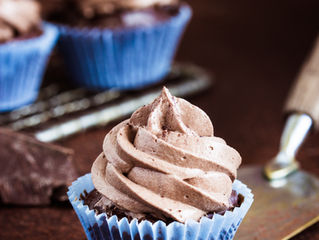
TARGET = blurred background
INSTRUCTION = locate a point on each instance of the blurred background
(254, 51)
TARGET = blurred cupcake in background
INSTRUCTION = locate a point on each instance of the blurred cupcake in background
(122, 44)
(25, 46)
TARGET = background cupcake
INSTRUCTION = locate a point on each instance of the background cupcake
(162, 173)
(119, 44)
(25, 45)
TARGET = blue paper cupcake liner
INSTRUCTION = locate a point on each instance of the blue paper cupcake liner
(101, 227)
(22, 64)
(123, 59)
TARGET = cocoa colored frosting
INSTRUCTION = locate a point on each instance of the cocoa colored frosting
(92, 8)
(18, 17)
(166, 161)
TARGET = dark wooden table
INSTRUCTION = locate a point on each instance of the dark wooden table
(254, 49)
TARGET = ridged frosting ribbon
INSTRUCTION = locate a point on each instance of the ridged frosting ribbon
(166, 161)
(18, 17)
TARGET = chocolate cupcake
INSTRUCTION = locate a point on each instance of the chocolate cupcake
(25, 45)
(162, 174)
(122, 44)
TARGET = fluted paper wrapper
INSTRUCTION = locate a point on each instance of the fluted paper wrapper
(22, 64)
(122, 58)
(102, 227)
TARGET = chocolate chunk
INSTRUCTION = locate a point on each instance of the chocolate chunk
(32, 172)
(235, 200)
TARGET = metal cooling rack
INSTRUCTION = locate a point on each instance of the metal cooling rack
(59, 113)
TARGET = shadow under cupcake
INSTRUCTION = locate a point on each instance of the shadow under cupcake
(162, 175)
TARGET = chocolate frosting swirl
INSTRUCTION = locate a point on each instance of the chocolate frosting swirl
(18, 17)
(165, 161)
(92, 8)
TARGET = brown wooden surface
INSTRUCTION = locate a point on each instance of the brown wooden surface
(254, 48)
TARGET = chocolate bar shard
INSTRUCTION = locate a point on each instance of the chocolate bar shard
(32, 171)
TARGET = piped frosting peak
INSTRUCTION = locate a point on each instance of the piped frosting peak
(165, 161)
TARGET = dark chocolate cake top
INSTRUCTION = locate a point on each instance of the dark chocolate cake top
(111, 14)
(92, 8)
(100, 204)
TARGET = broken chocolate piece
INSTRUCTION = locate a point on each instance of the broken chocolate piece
(32, 171)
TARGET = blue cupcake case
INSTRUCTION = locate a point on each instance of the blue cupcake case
(124, 59)
(220, 227)
(22, 65)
